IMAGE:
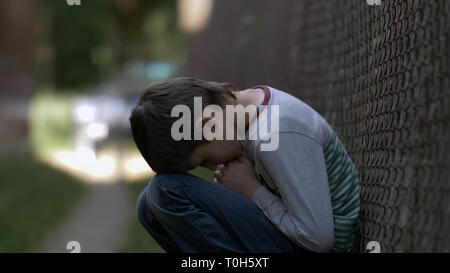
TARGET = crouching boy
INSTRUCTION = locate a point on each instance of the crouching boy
(283, 179)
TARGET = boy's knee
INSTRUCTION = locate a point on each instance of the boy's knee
(167, 191)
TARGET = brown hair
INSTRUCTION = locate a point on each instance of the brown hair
(151, 120)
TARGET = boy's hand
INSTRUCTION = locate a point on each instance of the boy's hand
(238, 176)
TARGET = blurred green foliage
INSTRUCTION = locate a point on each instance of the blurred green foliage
(76, 32)
(51, 125)
(33, 198)
(204, 173)
(165, 42)
(92, 41)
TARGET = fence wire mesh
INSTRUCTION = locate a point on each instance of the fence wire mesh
(378, 74)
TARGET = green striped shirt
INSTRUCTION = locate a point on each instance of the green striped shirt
(344, 190)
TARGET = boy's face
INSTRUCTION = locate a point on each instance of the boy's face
(213, 153)
(216, 152)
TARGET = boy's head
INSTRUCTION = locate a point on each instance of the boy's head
(151, 124)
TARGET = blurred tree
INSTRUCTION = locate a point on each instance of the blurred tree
(16, 78)
(147, 29)
(16, 47)
(95, 39)
(76, 32)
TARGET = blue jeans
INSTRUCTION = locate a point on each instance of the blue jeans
(185, 213)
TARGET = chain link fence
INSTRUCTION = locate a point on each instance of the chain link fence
(380, 77)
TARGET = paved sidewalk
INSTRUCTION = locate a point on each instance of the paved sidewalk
(98, 222)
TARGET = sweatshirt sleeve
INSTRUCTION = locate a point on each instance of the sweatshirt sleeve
(304, 212)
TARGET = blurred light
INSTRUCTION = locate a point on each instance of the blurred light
(85, 112)
(158, 71)
(101, 167)
(136, 165)
(105, 167)
(83, 164)
(193, 15)
(84, 156)
(136, 168)
(115, 109)
(97, 130)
